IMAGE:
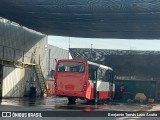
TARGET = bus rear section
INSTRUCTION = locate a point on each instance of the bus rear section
(83, 79)
(70, 79)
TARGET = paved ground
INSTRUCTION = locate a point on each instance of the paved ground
(61, 108)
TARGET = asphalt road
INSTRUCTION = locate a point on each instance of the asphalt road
(56, 108)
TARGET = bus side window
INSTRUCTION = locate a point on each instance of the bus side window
(107, 76)
(103, 75)
(111, 77)
(99, 74)
(91, 74)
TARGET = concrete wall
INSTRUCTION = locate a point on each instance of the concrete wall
(17, 82)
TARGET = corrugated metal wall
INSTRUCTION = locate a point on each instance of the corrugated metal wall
(15, 39)
(49, 59)
(18, 43)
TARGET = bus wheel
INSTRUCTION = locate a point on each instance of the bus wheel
(71, 100)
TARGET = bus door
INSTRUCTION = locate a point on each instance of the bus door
(111, 83)
(93, 79)
(95, 86)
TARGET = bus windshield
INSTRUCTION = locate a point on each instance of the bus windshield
(70, 67)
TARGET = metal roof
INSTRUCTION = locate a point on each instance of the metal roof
(128, 64)
(124, 19)
(99, 54)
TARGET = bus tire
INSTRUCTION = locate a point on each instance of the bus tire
(71, 100)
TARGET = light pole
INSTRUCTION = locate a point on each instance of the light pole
(68, 47)
(91, 53)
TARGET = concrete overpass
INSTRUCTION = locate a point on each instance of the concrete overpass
(127, 19)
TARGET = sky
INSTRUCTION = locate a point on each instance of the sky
(123, 44)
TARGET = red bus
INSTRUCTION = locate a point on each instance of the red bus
(83, 79)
